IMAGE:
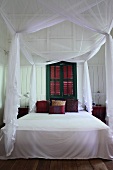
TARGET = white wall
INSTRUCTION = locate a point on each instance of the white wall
(40, 81)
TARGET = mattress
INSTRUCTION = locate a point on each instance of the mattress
(62, 136)
(70, 121)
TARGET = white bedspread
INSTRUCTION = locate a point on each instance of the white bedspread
(62, 136)
(81, 121)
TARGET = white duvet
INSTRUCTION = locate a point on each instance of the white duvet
(78, 121)
(66, 136)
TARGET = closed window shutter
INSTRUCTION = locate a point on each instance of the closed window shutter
(55, 80)
(68, 88)
(55, 88)
(68, 80)
(61, 80)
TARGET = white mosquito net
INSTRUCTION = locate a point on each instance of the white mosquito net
(27, 21)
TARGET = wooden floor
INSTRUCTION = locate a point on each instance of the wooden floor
(46, 164)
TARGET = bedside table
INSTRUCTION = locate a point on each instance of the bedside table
(22, 111)
(99, 112)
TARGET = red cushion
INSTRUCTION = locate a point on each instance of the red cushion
(42, 106)
(57, 109)
(71, 105)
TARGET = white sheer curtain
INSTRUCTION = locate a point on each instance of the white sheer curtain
(12, 102)
(87, 89)
(93, 17)
(38, 14)
(109, 80)
(32, 100)
(94, 14)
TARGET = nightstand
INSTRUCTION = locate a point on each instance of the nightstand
(99, 112)
(22, 111)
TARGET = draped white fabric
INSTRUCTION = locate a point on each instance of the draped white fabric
(32, 99)
(35, 16)
(87, 89)
(109, 80)
(93, 19)
(77, 12)
(12, 102)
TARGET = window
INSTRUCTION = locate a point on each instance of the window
(61, 80)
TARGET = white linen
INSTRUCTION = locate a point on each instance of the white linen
(60, 122)
(63, 136)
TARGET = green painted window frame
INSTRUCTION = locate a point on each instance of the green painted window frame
(74, 68)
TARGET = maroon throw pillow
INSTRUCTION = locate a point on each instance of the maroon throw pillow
(42, 106)
(57, 109)
(71, 105)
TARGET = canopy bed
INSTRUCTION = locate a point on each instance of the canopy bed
(73, 135)
(94, 20)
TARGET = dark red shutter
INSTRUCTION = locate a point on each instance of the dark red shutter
(68, 80)
(55, 80)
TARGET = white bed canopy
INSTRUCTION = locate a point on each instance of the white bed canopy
(25, 19)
